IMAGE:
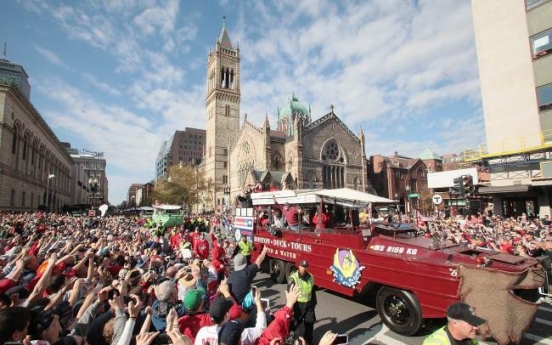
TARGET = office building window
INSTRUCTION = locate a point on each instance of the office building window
(544, 94)
(541, 44)
(12, 197)
(23, 197)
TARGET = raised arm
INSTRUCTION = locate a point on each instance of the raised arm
(261, 256)
(44, 280)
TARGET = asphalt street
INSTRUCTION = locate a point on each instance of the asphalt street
(363, 325)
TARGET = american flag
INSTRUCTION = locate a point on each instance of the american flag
(243, 223)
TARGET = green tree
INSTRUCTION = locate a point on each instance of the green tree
(186, 185)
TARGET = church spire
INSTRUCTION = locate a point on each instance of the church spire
(224, 38)
(266, 124)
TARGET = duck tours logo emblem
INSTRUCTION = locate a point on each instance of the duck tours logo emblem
(346, 268)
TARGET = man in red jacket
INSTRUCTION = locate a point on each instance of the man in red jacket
(219, 257)
(201, 247)
(279, 327)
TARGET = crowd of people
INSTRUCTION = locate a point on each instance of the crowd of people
(111, 280)
(523, 235)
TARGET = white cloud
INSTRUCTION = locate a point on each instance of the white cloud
(50, 56)
(101, 85)
(130, 141)
(158, 18)
(391, 66)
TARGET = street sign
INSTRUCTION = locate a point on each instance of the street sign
(413, 196)
(437, 199)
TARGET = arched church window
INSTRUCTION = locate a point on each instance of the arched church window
(333, 173)
(245, 147)
(331, 152)
(277, 161)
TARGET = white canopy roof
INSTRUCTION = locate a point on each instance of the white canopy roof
(167, 207)
(284, 196)
(343, 196)
(346, 195)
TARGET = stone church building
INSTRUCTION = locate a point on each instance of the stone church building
(296, 153)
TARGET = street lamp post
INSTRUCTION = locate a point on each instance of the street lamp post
(50, 176)
(226, 198)
(93, 183)
(407, 189)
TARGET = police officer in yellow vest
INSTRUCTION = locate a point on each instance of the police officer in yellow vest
(244, 247)
(461, 329)
(303, 311)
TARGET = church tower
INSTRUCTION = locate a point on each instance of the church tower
(223, 113)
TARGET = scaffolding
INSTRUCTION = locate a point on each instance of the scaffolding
(511, 147)
(517, 160)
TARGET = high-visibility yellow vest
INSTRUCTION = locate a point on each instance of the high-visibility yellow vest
(440, 337)
(245, 247)
(305, 287)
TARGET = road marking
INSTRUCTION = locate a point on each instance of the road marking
(545, 309)
(543, 321)
(539, 340)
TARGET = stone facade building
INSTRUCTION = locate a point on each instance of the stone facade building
(32, 160)
(298, 154)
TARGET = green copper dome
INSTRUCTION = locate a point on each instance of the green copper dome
(427, 154)
(289, 112)
(294, 107)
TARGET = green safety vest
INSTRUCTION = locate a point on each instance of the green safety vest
(245, 247)
(440, 337)
(305, 287)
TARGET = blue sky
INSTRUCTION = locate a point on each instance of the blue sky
(120, 76)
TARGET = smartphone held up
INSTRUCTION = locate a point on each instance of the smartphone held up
(341, 339)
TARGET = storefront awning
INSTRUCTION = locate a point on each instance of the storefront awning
(504, 189)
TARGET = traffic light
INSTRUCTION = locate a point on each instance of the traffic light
(467, 185)
(458, 188)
